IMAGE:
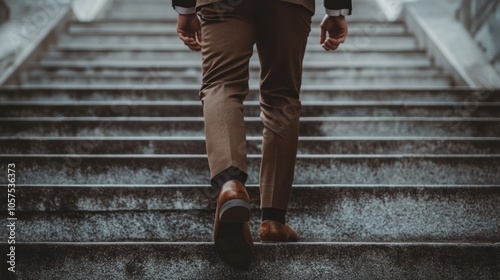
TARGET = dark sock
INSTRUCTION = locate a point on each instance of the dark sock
(232, 173)
(274, 214)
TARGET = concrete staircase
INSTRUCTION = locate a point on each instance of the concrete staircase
(398, 173)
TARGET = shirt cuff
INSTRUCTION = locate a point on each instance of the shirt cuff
(185, 10)
(336, 13)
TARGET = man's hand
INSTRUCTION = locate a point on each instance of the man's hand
(337, 32)
(189, 31)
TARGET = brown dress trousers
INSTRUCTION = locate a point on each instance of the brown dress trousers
(230, 29)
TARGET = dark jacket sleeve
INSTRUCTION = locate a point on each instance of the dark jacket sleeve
(329, 4)
(338, 5)
(184, 3)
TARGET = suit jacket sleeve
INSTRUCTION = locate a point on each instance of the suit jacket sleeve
(329, 4)
(338, 5)
(184, 3)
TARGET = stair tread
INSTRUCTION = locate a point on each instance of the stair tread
(158, 260)
(196, 145)
(247, 119)
(397, 222)
(197, 64)
(177, 47)
(187, 169)
(251, 156)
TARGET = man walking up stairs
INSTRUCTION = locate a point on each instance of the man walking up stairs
(396, 177)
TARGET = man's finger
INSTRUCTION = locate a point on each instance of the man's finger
(331, 44)
(338, 40)
(322, 37)
(184, 36)
(327, 47)
(335, 41)
(189, 41)
(197, 48)
(192, 44)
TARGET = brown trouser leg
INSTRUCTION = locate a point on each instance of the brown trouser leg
(229, 33)
(281, 41)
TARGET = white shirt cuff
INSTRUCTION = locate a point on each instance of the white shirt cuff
(185, 11)
(336, 13)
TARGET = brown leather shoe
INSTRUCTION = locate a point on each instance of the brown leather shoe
(273, 231)
(232, 236)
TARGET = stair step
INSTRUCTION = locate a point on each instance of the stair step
(177, 46)
(311, 169)
(168, 16)
(168, 26)
(196, 79)
(252, 108)
(169, 30)
(193, 126)
(196, 145)
(159, 260)
(347, 213)
(151, 71)
(131, 74)
(348, 55)
(112, 76)
(195, 64)
(353, 41)
(165, 29)
(190, 92)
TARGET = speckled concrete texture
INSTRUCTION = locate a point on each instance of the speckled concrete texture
(309, 126)
(113, 93)
(307, 145)
(271, 261)
(312, 55)
(252, 109)
(328, 213)
(330, 169)
(396, 80)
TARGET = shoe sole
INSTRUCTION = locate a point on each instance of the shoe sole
(232, 246)
(230, 243)
(235, 211)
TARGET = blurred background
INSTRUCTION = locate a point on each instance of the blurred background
(23, 20)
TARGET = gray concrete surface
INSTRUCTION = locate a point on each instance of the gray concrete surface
(450, 44)
(330, 93)
(272, 261)
(456, 126)
(321, 213)
(311, 169)
(28, 32)
(481, 18)
(196, 145)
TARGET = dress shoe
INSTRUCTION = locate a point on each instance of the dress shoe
(273, 231)
(232, 236)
